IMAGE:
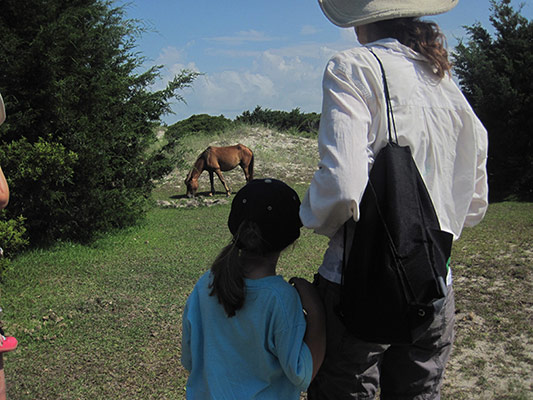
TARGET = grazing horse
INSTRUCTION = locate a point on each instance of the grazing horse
(218, 159)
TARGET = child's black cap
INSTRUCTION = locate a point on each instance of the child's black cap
(273, 206)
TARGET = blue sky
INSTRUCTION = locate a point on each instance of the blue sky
(270, 54)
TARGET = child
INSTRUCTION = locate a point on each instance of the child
(248, 334)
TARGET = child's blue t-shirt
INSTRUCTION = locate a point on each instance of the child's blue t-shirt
(257, 354)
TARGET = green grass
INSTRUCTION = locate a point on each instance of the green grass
(493, 275)
(104, 321)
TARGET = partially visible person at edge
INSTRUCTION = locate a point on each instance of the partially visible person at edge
(6, 343)
(245, 334)
(449, 145)
(4, 188)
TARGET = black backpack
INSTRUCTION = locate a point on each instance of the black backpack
(394, 280)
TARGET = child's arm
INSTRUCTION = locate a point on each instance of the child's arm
(315, 334)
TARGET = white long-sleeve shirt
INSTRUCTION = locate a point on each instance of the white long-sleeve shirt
(448, 142)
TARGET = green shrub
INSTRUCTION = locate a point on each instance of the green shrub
(282, 120)
(12, 240)
(81, 115)
(13, 236)
(39, 176)
(201, 123)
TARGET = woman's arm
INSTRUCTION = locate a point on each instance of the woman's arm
(479, 204)
(338, 184)
(315, 334)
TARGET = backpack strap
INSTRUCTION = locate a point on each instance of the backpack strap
(390, 121)
(390, 115)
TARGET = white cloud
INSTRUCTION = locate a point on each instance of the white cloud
(309, 30)
(272, 80)
(175, 60)
(348, 35)
(242, 37)
(232, 53)
(227, 92)
(232, 88)
(280, 78)
(170, 55)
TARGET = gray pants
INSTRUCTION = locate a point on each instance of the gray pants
(354, 369)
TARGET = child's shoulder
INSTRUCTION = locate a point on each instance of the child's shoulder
(206, 276)
(275, 286)
(269, 282)
(203, 282)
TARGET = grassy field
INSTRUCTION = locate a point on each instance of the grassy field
(103, 321)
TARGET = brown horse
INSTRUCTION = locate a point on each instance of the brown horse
(218, 159)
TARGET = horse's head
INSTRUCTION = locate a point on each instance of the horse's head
(192, 187)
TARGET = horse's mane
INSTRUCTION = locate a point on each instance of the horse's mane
(198, 165)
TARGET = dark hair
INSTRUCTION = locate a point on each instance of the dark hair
(227, 270)
(424, 37)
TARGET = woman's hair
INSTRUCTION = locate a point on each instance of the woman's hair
(228, 272)
(424, 37)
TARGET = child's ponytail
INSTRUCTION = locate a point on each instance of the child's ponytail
(228, 272)
(228, 279)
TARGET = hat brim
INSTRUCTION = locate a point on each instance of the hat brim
(350, 13)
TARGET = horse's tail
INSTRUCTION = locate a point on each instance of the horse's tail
(251, 167)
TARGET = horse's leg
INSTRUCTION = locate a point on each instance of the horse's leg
(219, 174)
(212, 180)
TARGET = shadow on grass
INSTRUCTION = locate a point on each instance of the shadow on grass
(200, 194)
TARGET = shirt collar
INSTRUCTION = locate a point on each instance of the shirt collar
(394, 46)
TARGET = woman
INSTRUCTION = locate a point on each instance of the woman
(449, 145)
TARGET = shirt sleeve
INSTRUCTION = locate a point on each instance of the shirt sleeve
(293, 354)
(186, 355)
(339, 182)
(479, 204)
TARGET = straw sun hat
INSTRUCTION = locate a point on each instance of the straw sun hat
(347, 13)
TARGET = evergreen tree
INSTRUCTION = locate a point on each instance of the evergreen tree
(495, 75)
(80, 117)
